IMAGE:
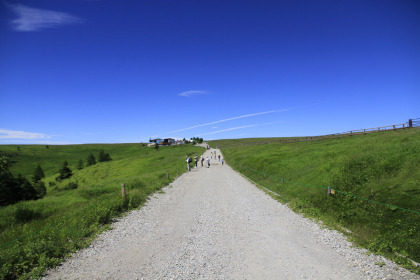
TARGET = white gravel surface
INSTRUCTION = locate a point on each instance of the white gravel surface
(211, 223)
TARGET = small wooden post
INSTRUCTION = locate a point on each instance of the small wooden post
(167, 175)
(410, 123)
(123, 194)
(178, 172)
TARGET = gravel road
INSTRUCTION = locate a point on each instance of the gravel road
(211, 223)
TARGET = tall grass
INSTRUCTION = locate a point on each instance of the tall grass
(364, 170)
(36, 235)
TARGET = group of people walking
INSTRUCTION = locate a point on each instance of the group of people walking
(201, 159)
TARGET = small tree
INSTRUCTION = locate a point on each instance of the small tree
(27, 191)
(38, 185)
(91, 160)
(8, 187)
(65, 171)
(13, 189)
(40, 189)
(80, 164)
(38, 174)
(107, 157)
(101, 157)
(5, 163)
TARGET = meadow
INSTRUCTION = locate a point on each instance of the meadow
(39, 234)
(374, 180)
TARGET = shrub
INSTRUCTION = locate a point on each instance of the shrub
(65, 171)
(40, 189)
(80, 164)
(103, 157)
(91, 160)
(137, 198)
(38, 174)
(71, 186)
(24, 214)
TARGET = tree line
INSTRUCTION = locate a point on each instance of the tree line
(196, 140)
(14, 189)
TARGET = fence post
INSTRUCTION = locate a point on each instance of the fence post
(167, 175)
(123, 194)
(410, 123)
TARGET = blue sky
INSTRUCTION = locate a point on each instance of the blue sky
(113, 71)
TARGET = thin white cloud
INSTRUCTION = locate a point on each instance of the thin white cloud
(13, 134)
(240, 127)
(229, 129)
(192, 92)
(230, 119)
(33, 19)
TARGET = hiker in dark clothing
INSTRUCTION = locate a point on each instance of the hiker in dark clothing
(189, 160)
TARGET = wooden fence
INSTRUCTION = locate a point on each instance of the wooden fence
(410, 124)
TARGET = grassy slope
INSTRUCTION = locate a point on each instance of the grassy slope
(65, 220)
(383, 167)
(51, 159)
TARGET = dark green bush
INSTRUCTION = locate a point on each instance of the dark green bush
(24, 213)
(71, 186)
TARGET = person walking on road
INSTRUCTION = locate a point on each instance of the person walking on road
(223, 161)
(188, 162)
(208, 162)
(196, 161)
(219, 157)
(202, 160)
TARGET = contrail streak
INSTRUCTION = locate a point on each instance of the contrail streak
(230, 119)
(233, 128)
(240, 127)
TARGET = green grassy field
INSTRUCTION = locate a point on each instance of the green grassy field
(35, 235)
(363, 170)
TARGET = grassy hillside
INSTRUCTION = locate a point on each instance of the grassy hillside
(366, 172)
(37, 234)
(51, 158)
